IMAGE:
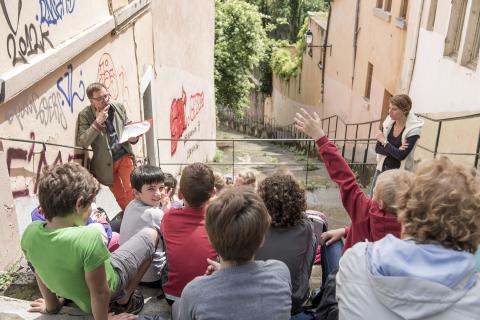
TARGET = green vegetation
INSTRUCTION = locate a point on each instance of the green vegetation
(250, 40)
(312, 185)
(8, 276)
(218, 155)
(239, 46)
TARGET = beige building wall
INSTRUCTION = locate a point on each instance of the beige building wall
(443, 86)
(305, 89)
(380, 42)
(441, 82)
(158, 59)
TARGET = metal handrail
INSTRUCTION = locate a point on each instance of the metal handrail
(44, 143)
(474, 115)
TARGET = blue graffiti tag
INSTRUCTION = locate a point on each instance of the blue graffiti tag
(69, 94)
(51, 11)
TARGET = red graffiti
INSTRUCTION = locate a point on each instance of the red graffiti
(178, 122)
(116, 84)
(27, 156)
(197, 102)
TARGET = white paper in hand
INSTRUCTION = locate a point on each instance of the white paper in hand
(135, 129)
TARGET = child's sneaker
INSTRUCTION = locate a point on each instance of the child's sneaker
(134, 305)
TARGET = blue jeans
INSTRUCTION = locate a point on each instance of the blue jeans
(304, 315)
(330, 258)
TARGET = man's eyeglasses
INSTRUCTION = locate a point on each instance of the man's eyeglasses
(105, 97)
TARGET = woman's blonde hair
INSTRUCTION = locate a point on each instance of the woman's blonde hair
(441, 205)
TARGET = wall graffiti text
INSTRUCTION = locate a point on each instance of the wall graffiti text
(46, 110)
(26, 156)
(114, 80)
(51, 11)
(70, 93)
(26, 41)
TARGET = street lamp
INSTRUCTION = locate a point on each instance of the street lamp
(309, 40)
(309, 37)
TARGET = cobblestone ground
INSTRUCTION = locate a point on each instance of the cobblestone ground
(260, 157)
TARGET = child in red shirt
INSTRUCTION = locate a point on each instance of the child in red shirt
(186, 241)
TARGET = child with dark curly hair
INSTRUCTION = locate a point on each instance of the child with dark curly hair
(292, 237)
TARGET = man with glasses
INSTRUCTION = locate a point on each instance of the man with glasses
(100, 126)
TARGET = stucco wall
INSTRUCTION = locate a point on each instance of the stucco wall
(440, 83)
(379, 42)
(184, 79)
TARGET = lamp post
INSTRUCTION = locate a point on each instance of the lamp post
(309, 40)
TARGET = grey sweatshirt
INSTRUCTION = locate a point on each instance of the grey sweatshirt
(137, 216)
(257, 290)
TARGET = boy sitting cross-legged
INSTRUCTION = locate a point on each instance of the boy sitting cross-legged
(186, 242)
(74, 263)
(146, 211)
(240, 288)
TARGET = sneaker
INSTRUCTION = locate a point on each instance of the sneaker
(134, 305)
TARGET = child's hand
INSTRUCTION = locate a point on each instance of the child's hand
(121, 316)
(331, 236)
(166, 201)
(212, 267)
(39, 305)
(311, 126)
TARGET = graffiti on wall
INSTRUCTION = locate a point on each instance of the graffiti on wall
(22, 40)
(38, 160)
(45, 110)
(114, 80)
(52, 11)
(49, 108)
(182, 116)
(66, 88)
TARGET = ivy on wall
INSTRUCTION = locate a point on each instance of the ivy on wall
(286, 65)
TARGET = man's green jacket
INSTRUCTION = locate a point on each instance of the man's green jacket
(86, 135)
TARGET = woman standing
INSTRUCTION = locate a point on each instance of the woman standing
(401, 130)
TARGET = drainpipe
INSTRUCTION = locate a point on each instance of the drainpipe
(325, 43)
(414, 58)
(355, 38)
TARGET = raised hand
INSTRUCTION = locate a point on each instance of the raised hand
(308, 124)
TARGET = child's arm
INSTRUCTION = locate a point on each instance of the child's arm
(49, 303)
(99, 292)
(354, 199)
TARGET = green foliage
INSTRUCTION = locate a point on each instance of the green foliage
(239, 47)
(218, 155)
(8, 276)
(311, 186)
(284, 64)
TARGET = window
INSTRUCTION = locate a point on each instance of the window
(403, 9)
(431, 15)
(368, 84)
(387, 6)
(379, 4)
(472, 37)
(455, 27)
